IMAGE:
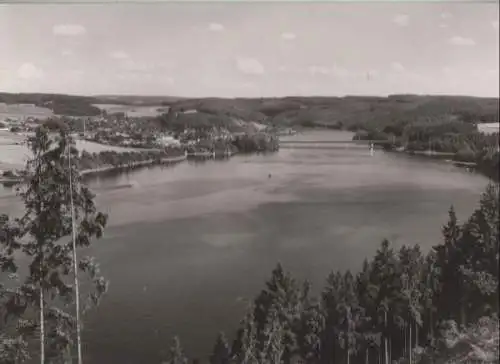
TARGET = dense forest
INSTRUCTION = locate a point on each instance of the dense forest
(462, 141)
(59, 104)
(403, 305)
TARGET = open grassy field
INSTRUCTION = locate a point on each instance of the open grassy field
(15, 156)
(23, 111)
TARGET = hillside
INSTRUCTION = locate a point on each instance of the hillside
(350, 112)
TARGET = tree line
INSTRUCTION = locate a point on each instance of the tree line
(463, 141)
(111, 158)
(403, 304)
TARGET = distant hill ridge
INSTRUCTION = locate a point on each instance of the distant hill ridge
(348, 112)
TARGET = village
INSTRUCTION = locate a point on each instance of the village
(141, 140)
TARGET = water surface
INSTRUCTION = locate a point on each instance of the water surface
(186, 243)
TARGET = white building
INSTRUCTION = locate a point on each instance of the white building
(488, 128)
(167, 140)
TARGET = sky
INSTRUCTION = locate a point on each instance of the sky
(243, 49)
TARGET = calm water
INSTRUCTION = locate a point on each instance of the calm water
(186, 243)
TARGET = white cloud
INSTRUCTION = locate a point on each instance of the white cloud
(66, 52)
(250, 66)
(119, 55)
(288, 36)
(69, 29)
(494, 24)
(446, 15)
(398, 67)
(29, 71)
(462, 41)
(402, 20)
(443, 25)
(216, 27)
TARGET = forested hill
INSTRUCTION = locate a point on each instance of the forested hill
(349, 112)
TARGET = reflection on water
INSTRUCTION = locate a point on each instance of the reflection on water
(186, 242)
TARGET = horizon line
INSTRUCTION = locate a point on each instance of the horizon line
(249, 97)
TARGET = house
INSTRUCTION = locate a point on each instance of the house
(167, 140)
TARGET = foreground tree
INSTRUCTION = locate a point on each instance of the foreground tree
(59, 217)
(176, 353)
(221, 352)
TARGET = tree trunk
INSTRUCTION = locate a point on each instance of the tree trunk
(432, 325)
(410, 346)
(42, 326)
(367, 354)
(42, 298)
(462, 314)
(75, 264)
(386, 351)
(390, 349)
(348, 356)
(416, 335)
(405, 339)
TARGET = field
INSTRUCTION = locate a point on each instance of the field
(23, 111)
(15, 156)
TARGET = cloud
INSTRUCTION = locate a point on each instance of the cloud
(29, 71)
(402, 20)
(288, 36)
(119, 55)
(494, 24)
(443, 25)
(66, 52)
(249, 66)
(462, 41)
(216, 27)
(69, 29)
(446, 15)
(398, 67)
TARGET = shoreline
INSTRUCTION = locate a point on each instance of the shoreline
(165, 160)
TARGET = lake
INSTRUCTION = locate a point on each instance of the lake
(187, 244)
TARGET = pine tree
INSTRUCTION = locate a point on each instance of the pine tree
(367, 294)
(430, 288)
(272, 346)
(244, 347)
(351, 316)
(41, 234)
(221, 352)
(331, 298)
(478, 271)
(411, 265)
(384, 276)
(176, 353)
(312, 325)
(448, 259)
(283, 293)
